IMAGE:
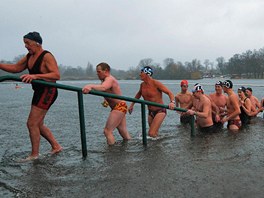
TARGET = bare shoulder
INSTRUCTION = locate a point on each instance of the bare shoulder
(211, 95)
(207, 101)
(49, 59)
(48, 56)
(255, 98)
(233, 98)
(110, 78)
(189, 93)
(157, 83)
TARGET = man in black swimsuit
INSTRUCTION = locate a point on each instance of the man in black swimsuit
(41, 65)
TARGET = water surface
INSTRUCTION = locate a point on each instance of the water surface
(223, 164)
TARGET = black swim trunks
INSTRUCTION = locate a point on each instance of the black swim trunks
(154, 113)
(209, 129)
(45, 97)
(185, 119)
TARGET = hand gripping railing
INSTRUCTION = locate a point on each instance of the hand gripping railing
(104, 94)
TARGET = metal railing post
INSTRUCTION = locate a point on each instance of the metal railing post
(143, 119)
(82, 124)
(192, 126)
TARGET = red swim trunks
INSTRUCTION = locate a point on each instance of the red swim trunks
(43, 98)
(121, 106)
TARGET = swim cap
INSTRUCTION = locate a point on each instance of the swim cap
(147, 70)
(228, 84)
(184, 82)
(219, 83)
(242, 89)
(197, 87)
(34, 36)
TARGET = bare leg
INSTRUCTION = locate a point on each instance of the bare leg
(155, 124)
(36, 128)
(47, 134)
(35, 117)
(122, 129)
(114, 119)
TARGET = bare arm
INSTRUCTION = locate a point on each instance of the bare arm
(106, 84)
(247, 107)
(137, 96)
(257, 103)
(215, 108)
(164, 89)
(20, 66)
(50, 70)
(177, 101)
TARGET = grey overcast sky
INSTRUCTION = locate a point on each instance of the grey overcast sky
(122, 32)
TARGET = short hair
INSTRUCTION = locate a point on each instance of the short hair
(249, 89)
(104, 66)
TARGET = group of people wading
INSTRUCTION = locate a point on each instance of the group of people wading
(211, 111)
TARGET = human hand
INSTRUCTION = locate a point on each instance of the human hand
(105, 103)
(217, 118)
(130, 109)
(224, 120)
(86, 89)
(190, 112)
(171, 105)
(27, 78)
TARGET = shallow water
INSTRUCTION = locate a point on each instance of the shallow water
(223, 164)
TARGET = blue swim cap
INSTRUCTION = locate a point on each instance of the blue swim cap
(147, 70)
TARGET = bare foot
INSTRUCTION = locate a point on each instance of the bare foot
(29, 158)
(56, 150)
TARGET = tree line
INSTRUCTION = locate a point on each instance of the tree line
(249, 64)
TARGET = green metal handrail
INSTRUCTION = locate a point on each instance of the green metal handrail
(104, 94)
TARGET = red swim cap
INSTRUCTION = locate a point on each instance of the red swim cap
(184, 82)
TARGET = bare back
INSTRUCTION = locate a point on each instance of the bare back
(113, 87)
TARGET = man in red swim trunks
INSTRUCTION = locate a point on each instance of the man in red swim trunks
(117, 116)
(41, 65)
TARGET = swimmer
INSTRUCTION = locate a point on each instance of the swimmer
(17, 86)
(151, 90)
(117, 116)
(219, 102)
(183, 100)
(233, 109)
(203, 110)
(41, 65)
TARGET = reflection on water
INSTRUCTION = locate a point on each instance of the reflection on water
(223, 164)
